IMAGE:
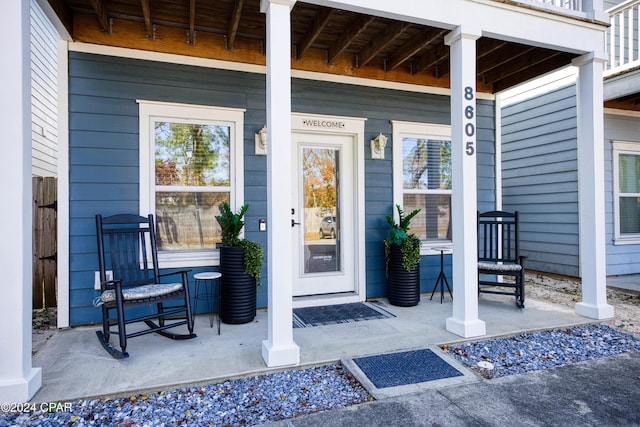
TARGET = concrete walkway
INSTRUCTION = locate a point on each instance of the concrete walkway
(75, 366)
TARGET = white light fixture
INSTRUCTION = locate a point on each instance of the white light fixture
(377, 146)
(261, 142)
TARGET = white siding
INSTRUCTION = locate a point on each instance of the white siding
(44, 82)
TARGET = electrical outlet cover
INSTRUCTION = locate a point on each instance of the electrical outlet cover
(96, 280)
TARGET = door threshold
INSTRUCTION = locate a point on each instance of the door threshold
(326, 299)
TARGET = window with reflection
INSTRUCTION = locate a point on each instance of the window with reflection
(627, 182)
(192, 179)
(425, 168)
(190, 163)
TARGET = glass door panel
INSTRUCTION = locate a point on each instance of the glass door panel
(323, 214)
(320, 188)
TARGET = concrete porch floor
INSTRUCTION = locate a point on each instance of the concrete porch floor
(75, 366)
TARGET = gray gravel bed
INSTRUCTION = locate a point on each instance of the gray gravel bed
(267, 398)
(542, 350)
(242, 402)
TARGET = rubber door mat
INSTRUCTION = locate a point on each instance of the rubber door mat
(409, 367)
(341, 313)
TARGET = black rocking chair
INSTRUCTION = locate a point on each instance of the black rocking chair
(499, 254)
(127, 249)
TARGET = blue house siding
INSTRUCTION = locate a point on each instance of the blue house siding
(539, 178)
(103, 147)
(104, 156)
(621, 259)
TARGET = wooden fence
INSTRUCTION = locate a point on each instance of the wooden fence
(44, 260)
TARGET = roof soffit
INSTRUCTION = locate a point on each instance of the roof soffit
(500, 19)
(340, 41)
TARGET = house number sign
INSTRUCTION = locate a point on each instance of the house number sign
(469, 122)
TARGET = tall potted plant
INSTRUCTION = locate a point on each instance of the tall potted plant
(402, 257)
(240, 264)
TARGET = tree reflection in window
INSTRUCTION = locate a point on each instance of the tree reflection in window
(320, 183)
(426, 177)
(320, 187)
(192, 177)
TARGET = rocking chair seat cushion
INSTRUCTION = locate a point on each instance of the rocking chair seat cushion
(499, 267)
(140, 292)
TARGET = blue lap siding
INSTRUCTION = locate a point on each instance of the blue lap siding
(103, 150)
(540, 178)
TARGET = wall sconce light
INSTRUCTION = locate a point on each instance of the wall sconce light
(377, 146)
(261, 142)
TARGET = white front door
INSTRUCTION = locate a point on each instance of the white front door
(324, 213)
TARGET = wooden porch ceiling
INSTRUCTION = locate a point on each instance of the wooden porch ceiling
(629, 102)
(323, 40)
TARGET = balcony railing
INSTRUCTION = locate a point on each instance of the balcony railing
(622, 36)
(565, 4)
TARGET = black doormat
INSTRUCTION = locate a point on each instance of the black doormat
(341, 313)
(409, 367)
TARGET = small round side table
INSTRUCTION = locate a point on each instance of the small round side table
(211, 279)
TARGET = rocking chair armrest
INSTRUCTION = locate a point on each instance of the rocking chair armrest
(110, 284)
(183, 271)
(521, 260)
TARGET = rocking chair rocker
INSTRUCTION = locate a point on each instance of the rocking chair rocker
(127, 249)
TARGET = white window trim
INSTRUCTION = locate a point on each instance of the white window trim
(234, 117)
(621, 147)
(401, 129)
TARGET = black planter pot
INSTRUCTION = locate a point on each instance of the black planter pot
(238, 293)
(403, 287)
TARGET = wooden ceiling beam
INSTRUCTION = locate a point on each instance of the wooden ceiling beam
(102, 15)
(431, 58)
(500, 57)
(443, 69)
(343, 42)
(424, 39)
(148, 22)
(488, 46)
(320, 21)
(518, 64)
(234, 22)
(553, 61)
(191, 37)
(375, 46)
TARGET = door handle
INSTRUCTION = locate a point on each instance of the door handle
(294, 223)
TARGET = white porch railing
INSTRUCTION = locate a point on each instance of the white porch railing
(565, 4)
(622, 36)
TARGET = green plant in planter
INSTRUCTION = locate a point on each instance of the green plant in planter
(399, 235)
(253, 258)
(231, 224)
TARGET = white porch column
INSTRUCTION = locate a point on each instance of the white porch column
(279, 349)
(19, 381)
(591, 187)
(464, 321)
